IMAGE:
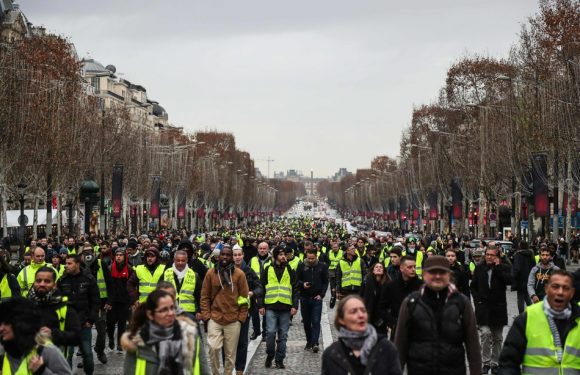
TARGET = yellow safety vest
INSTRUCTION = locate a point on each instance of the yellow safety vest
(22, 368)
(255, 265)
(5, 291)
(419, 263)
(27, 275)
(334, 258)
(141, 364)
(471, 266)
(351, 274)
(186, 295)
(278, 291)
(294, 263)
(101, 281)
(385, 253)
(147, 282)
(541, 356)
(61, 314)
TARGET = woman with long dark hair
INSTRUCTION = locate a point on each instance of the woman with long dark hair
(26, 350)
(371, 292)
(160, 343)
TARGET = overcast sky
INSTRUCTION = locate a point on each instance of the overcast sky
(312, 84)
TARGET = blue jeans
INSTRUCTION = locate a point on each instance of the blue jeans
(277, 322)
(311, 311)
(86, 350)
(242, 350)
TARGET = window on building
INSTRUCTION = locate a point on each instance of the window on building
(96, 83)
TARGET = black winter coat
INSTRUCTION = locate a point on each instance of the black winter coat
(117, 287)
(83, 295)
(383, 359)
(392, 296)
(436, 341)
(371, 294)
(71, 336)
(490, 302)
(254, 285)
(461, 277)
(317, 276)
(523, 263)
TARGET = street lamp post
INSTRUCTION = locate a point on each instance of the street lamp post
(22, 220)
(70, 203)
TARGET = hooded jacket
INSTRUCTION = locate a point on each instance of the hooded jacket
(538, 277)
(219, 300)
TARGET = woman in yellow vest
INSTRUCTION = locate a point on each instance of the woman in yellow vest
(159, 342)
(26, 351)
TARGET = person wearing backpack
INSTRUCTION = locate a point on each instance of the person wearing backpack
(436, 327)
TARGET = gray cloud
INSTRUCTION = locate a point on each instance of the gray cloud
(313, 84)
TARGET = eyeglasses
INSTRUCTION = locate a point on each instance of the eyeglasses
(166, 310)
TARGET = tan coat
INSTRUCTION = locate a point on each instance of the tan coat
(219, 302)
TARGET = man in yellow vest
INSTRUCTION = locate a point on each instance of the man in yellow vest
(186, 283)
(257, 264)
(415, 253)
(280, 302)
(146, 277)
(293, 261)
(332, 258)
(349, 273)
(26, 276)
(545, 339)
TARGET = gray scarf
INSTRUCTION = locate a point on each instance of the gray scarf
(552, 314)
(169, 348)
(363, 341)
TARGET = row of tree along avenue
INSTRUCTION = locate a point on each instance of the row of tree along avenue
(498, 149)
(80, 164)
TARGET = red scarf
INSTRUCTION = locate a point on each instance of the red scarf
(123, 274)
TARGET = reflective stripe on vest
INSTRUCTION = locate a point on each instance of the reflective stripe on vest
(61, 315)
(141, 364)
(147, 282)
(351, 275)
(541, 355)
(278, 291)
(186, 295)
(101, 281)
(5, 291)
(334, 259)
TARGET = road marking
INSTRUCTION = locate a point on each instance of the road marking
(326, 333)
(252, 348)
